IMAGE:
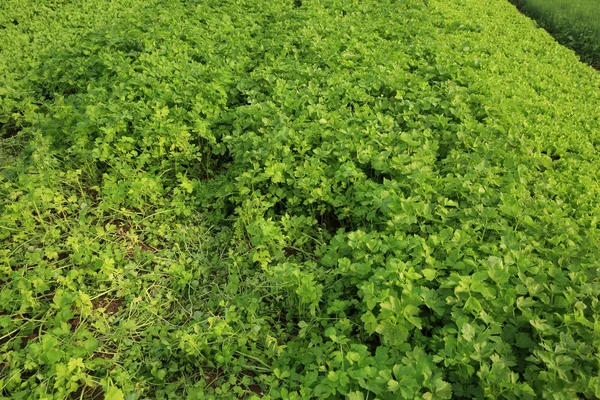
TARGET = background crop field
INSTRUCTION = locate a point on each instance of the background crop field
(575, 23)
(311, 199)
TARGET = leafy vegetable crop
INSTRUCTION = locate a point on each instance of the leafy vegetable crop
(295, 199)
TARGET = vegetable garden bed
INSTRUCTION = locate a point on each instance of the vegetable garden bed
(295, 199)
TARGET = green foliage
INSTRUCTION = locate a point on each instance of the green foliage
(295, 199)
(574, 23)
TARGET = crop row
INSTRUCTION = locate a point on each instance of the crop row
(574, 23)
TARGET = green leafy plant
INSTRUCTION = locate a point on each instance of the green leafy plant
(293, 200)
